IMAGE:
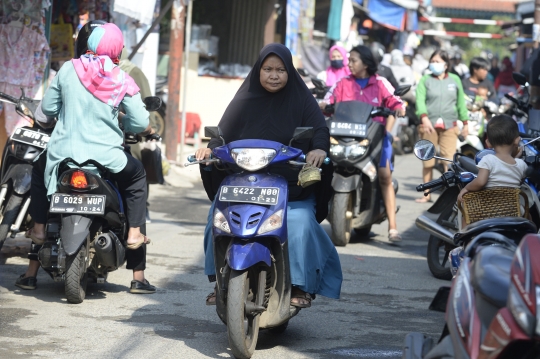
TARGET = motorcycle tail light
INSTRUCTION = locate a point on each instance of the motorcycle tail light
(79, 181)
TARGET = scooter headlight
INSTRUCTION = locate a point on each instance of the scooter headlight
(220, 222)
(337, 151)
(354, 152)
(273, 222)
(520, 312)
(253, 159)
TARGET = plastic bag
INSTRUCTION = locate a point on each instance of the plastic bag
(152, 162)
(455, 257)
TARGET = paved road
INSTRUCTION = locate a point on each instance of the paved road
(386, 291)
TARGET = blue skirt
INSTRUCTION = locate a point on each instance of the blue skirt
(314, 261)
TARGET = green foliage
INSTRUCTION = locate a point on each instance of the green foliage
(475, 47)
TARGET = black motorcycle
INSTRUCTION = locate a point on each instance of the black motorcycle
(21, 149)
(355, 149)
(87, 228)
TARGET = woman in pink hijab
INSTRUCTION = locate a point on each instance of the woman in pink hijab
(338, 65)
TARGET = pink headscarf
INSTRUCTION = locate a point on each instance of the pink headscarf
(332, 74)
(98, 73)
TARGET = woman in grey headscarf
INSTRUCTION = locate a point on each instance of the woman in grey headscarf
(402, 72)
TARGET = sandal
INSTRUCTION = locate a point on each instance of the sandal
(211, 298)
(136, 245)
(423, 200)
(394, 236)
(300, 294)
(30, 234)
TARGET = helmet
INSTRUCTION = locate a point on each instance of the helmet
(81, 45)
(378, 50)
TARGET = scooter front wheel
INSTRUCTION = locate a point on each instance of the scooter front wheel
(341, 218)
(243, 326)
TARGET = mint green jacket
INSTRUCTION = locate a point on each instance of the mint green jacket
(444, 99)
(87, 128)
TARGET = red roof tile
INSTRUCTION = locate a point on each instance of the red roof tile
(482, 5)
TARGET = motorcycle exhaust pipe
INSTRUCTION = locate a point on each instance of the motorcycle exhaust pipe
(435, 229)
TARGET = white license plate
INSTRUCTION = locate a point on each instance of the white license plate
(31, 137)
(78, 203)
(260, 195)
(347, 129)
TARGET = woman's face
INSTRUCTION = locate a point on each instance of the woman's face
(273, 74)
(438, 60)
(357, 67)
(336, 55)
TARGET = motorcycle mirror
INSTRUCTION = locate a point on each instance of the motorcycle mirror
(519, 78)
(152, 103)
(424, 150)
(301, 133)
(318, 84)
(402, 90)
(303, 72)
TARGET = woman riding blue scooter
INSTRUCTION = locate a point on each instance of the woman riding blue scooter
(271, 103)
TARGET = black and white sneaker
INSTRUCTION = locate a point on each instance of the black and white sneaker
(138, 287)
(27, 283)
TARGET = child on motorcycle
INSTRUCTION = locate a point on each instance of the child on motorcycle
(502, 169)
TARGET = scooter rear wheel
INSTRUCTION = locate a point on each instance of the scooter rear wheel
(76, 277)
(242, 327)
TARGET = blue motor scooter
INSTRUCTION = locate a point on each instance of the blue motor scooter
(250, 237)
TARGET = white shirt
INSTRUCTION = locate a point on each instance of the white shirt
(502, 174)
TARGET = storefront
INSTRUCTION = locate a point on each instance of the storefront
(38, 36)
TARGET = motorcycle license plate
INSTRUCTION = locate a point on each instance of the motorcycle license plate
(347, 129)
(31, 137)
(259, 195)
(78, 203)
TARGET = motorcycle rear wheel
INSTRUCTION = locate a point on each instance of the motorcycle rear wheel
(242, 328)
(11, 211)
(341, 225)
(439, 267)
(76, 277)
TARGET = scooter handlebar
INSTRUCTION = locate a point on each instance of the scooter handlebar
(429, 185)
(326, 161)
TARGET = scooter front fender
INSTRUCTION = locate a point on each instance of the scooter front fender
(21, 175)
(242, 255)
(344, 184)
(74, 231)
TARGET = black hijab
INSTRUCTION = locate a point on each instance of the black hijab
(255, 113)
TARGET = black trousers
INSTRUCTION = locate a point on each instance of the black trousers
(132, 186)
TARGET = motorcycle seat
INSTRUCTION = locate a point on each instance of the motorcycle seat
(468, 164)
(514, 226)
(490, 274)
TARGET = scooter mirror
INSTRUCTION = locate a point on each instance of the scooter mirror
(152, 103)
(424, 150)
(519, 78)
(318, 84)
(402, 90)
(303, 72)
(301, 133)
(212, 132)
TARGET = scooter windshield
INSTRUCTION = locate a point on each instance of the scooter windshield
(352, 112)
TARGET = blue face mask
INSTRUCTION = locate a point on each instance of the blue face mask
(337, 64)
(437, 68)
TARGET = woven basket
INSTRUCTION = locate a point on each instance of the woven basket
(491, 203)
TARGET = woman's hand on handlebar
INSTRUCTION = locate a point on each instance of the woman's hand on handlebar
(428, 127)
(400, 112)
(316, 157)
(203, 154)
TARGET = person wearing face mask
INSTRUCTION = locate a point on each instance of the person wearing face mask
(338, 65)
(440, 103)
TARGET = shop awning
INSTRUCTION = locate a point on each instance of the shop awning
(394, 13)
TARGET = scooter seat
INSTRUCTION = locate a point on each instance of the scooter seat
(468, 164)
(490, 274)
(516, 226)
